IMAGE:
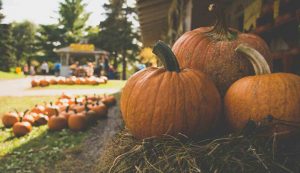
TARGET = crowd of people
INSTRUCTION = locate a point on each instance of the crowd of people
(88, 69)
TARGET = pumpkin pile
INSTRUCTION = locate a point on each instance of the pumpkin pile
(73, 80)
(75, 113)
(208, 70)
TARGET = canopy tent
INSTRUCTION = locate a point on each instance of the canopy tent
(67, 53)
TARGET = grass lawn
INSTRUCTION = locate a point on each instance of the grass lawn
(40, 149)
(5, 75)
(113, 84)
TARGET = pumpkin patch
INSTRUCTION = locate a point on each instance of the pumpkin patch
(73, 112)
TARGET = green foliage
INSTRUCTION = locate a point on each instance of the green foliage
(73, 19)
(117, 34)
(50, 37)
(1, 15)
(24, 40)
(7, 57)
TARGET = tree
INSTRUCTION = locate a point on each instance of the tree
(7, 57)
(24, 40)
(1, 15)
(73, 19)
(50, 37)
(117, 33)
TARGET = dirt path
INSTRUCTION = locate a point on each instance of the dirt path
(21, 87)
(84, 158)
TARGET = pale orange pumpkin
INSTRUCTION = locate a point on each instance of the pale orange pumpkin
(257, 97)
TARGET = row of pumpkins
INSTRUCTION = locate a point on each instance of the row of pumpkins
(75, 113)
(73, 80)
(212, 77)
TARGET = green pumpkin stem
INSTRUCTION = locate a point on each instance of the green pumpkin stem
(220, 31)
(166, 56)
(258, 62)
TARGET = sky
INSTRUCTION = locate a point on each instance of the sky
(45, 11)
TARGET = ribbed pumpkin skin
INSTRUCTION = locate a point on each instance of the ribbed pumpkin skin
(255, 97)
(156, 102)
(218, 59)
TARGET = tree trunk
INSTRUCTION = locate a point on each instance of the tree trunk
(124, 65)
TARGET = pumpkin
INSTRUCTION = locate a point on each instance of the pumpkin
(53, 81)
(77, 121)
(100, 109)
(256, 97)
(40, 119)
(61, 80)
(211, 50)
(51, 109)
(10, 118)
(67, 112)
(21, 128)
(44, 82)
(109, 100)
(79, 107)
(91, 115)
(28, 117)
(65, 96)
(35, 83)
(169, 100)
(38, 109)
(57, 122)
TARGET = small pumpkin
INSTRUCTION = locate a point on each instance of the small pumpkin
(57, 122)
(28, 117)
(256, 97)
(53, 81)
(90, 114)
(100, 109)
(38, 109)
(67, 112)
(169, 100)
(40, 119)
(35, 83)
(77, 121)
(211, 50)
(44, 82)
(109, 100)
(51, 109)
(21, 128)
(10, 118)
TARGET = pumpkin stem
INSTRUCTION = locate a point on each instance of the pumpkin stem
(166, 56)
(67, 109)
(258, 62)
(220, 31)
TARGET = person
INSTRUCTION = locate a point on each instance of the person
(57, 67)
(32, 70)
(44, 68)
(90, 69)
(25, 69)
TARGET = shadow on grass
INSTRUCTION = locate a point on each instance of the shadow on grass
(37, 151)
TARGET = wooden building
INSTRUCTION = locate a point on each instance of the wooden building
(276, 21)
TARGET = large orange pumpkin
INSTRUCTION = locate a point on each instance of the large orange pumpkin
(21, 128)
(169, 100)
(211, 50)
(257, 97)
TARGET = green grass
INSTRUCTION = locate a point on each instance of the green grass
(5, 75)
(22, 103)
(40, 149)
(111, 84)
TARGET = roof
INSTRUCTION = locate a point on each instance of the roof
(153, 19)
(71, 51)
